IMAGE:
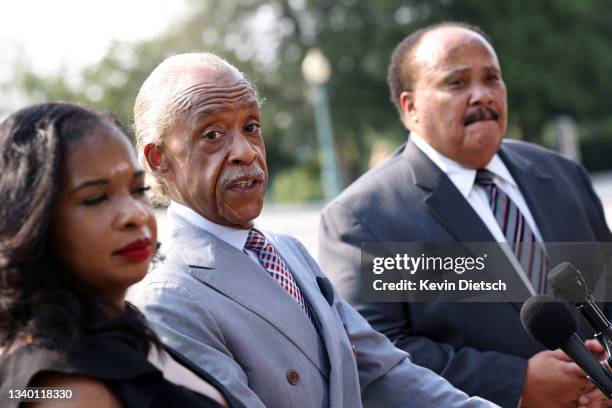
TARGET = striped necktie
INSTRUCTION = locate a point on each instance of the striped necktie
(276, 267)
(529, 252)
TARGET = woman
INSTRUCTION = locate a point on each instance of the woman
(76, 230)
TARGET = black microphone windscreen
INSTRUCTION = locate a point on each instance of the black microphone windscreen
(568, 283)
(548, 321)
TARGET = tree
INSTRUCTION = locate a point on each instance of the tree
(554, 54)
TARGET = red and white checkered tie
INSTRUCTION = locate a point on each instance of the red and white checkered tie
(275, 266)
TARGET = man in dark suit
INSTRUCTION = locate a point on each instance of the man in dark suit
(447, 84)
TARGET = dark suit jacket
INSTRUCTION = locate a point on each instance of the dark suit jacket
(481, 348)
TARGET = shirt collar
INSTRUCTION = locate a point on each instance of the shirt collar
(462, 177)
(233, 236)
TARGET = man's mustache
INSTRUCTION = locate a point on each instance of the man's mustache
(480, 113)
(235, 174)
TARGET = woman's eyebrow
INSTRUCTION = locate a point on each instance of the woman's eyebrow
(102, 181)
(89, 183)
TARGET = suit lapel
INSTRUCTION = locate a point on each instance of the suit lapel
(549, 204)
(446, 203)
(308, 285)
(538, 189)
(233, 273)
(306, 282)
(552, 205)
(457, 216)
(322, 311)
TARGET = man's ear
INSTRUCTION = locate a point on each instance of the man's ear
(408, 107)
(155, 158)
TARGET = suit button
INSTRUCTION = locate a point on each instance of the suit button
(354, 350)
(293, 377)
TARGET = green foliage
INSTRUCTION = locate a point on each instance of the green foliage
(296, 185)
(555, 55)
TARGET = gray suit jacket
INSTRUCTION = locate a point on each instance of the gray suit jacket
(480, 348)
(221, 309)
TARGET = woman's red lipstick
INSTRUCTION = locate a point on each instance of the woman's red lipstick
(138, 250)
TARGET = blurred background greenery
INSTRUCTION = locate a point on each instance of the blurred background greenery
(556, 57)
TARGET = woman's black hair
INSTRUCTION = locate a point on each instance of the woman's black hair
(35, 300)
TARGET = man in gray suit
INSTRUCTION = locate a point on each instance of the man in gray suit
(249, 306)
(447, 85)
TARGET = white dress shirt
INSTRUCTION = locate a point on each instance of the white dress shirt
(463, 178)
(233, 236)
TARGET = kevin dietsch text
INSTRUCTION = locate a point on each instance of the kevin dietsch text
(425, 285)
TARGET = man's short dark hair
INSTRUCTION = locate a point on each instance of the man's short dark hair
(401, 74)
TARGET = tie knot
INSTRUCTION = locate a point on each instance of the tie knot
(255, 241)
(484, 178)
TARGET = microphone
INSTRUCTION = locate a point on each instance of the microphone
(568, 283)
(550, 323)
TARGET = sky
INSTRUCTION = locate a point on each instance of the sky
(70, 33)
(63, 36)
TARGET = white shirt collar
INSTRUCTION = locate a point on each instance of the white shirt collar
(461, 176)
(233, 236)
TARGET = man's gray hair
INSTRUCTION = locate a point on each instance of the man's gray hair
(152, 114)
